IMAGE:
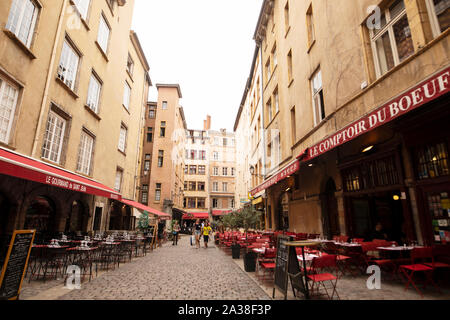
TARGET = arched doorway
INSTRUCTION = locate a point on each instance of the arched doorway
(77, 219)
(40, 216)
(330, 210)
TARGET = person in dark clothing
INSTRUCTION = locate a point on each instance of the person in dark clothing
(197, 233)
(379, 232)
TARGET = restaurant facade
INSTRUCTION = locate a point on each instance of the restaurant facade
(368, 141)
(73, 86)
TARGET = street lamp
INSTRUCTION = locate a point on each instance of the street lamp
(252, 172)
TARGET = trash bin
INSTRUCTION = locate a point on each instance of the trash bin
(235, 251)
(250, 262)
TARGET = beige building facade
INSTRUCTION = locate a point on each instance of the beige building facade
(350, 93)
(168, 163)
(222, 172)
(196, 178)
(73, 97)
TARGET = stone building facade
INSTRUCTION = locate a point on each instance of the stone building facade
(359, 97)
(74, 83)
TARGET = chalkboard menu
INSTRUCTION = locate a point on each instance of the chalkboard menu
(15, 264)
(281, 267)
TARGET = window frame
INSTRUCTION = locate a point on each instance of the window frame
(123, 128)
(98, 95)
(315, 94)
(434, 21)
(388, 28)
(73, 50)
(3, 84)
(127, 88)
(101, 39)
(33, 22)
(89, 154)
(61, 138)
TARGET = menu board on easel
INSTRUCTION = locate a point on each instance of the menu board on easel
(16, 263)
(152, 231)
(281, 265)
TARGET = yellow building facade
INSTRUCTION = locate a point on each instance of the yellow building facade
(73, 101)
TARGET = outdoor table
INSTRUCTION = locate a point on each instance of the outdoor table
(308, 257)
(83, 258)
(304, 274)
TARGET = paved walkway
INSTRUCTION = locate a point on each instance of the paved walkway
(185, 273)
(168, 273)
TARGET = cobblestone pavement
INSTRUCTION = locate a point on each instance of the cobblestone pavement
(185, 273)
(168, 273)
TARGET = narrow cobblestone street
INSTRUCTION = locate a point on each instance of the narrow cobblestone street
(185, 273)
(168, 273)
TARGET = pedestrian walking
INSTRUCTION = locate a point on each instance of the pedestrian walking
(197, 232)
(175, 231)
(206, 231)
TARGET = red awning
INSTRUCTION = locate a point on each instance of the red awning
(428, 90)
(195, 215)
(218, 213)
(290, 169)
(19, 166)
(137, 205)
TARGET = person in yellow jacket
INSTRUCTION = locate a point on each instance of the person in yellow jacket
(206, 231)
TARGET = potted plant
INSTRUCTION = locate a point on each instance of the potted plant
(232, 221)
(250, 219)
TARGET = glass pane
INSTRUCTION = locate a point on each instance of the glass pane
(442, 9)
(385, 55)
(402, 34)
(382, 24)
(396, 8)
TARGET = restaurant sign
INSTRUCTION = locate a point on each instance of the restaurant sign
(421, 94)
(281, 175)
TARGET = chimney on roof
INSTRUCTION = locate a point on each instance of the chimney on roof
(207, 123)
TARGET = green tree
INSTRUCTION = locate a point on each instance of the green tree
(143, 221)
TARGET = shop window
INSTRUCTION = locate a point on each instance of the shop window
(371, 174)
(432, 161)
(439, 206)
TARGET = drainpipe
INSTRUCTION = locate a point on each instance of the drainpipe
(49, 77)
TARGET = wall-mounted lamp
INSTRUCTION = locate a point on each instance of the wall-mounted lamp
(367, 149)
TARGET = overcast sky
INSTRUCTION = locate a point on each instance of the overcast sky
(206, 46)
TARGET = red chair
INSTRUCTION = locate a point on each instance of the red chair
(419, 255)
(267, 264)
(358, 240)
(318, 277)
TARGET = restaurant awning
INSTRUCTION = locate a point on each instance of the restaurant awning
(288, 170)
(219, 213)
(140, 206)
(428, 90)
(23, 167)
(195, 215)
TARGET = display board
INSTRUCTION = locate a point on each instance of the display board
(152, 232)
(16, 263)
(281, 265)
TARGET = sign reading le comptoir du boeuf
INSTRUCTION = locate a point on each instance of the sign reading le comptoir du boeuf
(421, 94)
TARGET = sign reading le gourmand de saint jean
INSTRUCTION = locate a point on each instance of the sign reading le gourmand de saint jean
(15, 265)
